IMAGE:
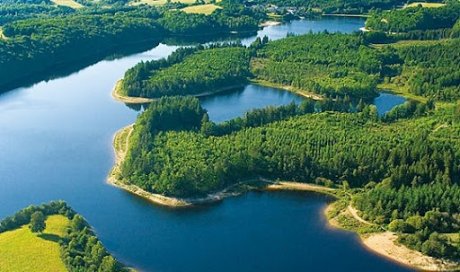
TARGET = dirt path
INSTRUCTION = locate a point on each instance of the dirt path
(354, 213)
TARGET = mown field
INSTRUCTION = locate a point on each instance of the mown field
(68, 3)
(22, 250)
(201, 9)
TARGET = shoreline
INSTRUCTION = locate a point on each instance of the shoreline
(116, 94)
(384, 243)
(294, 90)
(270, 23)
(346, 15)
(120, 144)
(381, 243)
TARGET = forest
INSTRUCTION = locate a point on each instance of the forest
(431, 70)
(189, 71)
(415, 18)
(328, 64)
(45, 40)
(81, 250)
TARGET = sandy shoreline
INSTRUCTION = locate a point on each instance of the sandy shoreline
(382, 243)
(385, 244)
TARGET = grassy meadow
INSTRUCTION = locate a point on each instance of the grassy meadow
(201, 9)
(22, 250)
(68, 3)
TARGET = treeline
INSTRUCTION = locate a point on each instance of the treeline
(189, 71)
(328, 64)
(416, 18)
(355, 147)
(20, 11)
(22, 217)
(80, 248)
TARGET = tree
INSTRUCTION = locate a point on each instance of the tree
(37, 222)
(109, 264)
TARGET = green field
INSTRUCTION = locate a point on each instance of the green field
(22, 250)
(202, 9)
(425, 5)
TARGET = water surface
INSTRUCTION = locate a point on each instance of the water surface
(55, 143)
(386, 101)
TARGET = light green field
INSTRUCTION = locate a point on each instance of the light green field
(2, 36)
(425, 5)
(201, 9)
(22, 250)
(68, 3)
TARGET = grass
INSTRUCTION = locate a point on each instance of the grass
(201, 9)
(425, 5)
(22, 250)
(68, 3)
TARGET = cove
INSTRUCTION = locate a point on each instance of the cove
(55, 143)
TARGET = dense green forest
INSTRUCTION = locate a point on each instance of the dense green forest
(431, 70)
(14, 12)
(415, 18)
(80, 248)
(230, 18)
(337, 146)
(328, 64)
(200, 71)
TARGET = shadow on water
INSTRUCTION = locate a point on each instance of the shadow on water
(66, 69)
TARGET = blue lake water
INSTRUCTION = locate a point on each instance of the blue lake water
(56, 143)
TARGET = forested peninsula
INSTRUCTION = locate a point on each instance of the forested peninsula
(52, 237)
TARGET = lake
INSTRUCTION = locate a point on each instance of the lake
(56, 143)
